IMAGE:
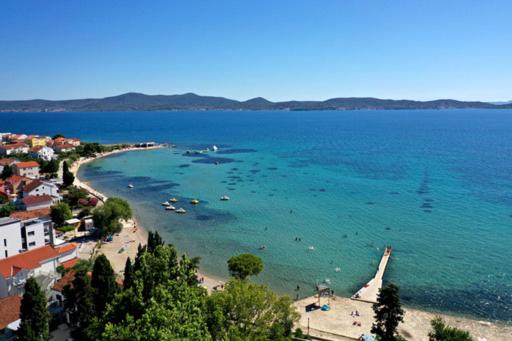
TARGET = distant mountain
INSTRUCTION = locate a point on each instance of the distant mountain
(140, 102)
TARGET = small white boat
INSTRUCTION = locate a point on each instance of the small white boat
(215, 148)
(311, 248)
(166, 203)
(173, 200)
(181, 210)
(224, 198)
(338, 269)
(170, 208)
(130, 186)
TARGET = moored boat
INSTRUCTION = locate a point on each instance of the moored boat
(194, 201)
(173, 200)
(224, 198)
(181, 210)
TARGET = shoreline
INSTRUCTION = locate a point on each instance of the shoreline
(125, 243)
(322, 324)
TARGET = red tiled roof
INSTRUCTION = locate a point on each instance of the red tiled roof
(67, 279)
(69, 263)
(9, 310)
(66, 248)
(33, 185)
(63, 146)
(25, 215)
(36, 199)
(27, 260)
(7, 162)
(27, 164)
(14, 146)
(14, 179)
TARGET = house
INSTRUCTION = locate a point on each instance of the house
(10, 237)
(6, 162)
(58, 287)
(36, 228)
(63, 140)
(40, 187)
(41, 262)
(29, 169)
(34, 141)
(63, 147)
(14, 148)
(42, 152)
(34, 202)
(4, 137)
(9, 316)
(24, 231)
(15, 184)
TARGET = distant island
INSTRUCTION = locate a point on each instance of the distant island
(189, 101)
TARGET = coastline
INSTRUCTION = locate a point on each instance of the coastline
(334, 325)
(125, 243)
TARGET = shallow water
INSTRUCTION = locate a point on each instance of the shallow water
(435, 185)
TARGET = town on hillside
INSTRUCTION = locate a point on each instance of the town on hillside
(40, 213)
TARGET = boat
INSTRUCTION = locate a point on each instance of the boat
(224, 198)
(130, 186)
(170, 208)
(311, 248)
(194, 201)
(215, 148)
(338, 269)
(173, 200)
(262, 247)
(180, 210)
(166, 203)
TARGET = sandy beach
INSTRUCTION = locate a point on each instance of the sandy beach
(125, 243)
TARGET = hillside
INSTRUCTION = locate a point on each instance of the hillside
(189, 101)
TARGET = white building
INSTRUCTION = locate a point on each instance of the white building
(40, 187)
(10, 237)
(25, 231)
(29, 169)
(42, 261)
(43, 153)
(14, 148)
(36, 202)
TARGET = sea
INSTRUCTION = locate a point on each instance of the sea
(318, 195)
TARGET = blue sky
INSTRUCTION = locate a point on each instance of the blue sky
(241, 49)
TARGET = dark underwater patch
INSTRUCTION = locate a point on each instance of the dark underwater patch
(214, 160)
(185, 165)
(236, 151)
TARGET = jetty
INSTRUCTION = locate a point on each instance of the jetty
(369, 292)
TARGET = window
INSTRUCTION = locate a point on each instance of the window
(32, 244)
(6, 254)
(31, 233)
(5, 242)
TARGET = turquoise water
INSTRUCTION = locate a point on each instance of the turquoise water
(436, 185)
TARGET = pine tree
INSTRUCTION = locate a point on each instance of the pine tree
(34, 314)
(79, 304)
(388, 313)
(103, 283)
(128, 274)
(67, 177)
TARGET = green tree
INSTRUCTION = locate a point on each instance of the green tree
(60, 213)
(388, 313)
(128, 274)
(56, 136)
(50, 167)
(249, 311)
(442, 332)
(74, 194)
(34, 315)
(67, 177)
(80, 305)
(154, 240)
(106, 217)
(6, 172)
(103, 283)
(7, 209)
(245, 265)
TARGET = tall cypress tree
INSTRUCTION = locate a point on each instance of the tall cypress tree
(79, 304)
(103, 283)
(128, 274)
(34, 314)
(388, 313)
(67, 177)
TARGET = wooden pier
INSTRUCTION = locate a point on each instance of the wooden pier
(369, 292)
